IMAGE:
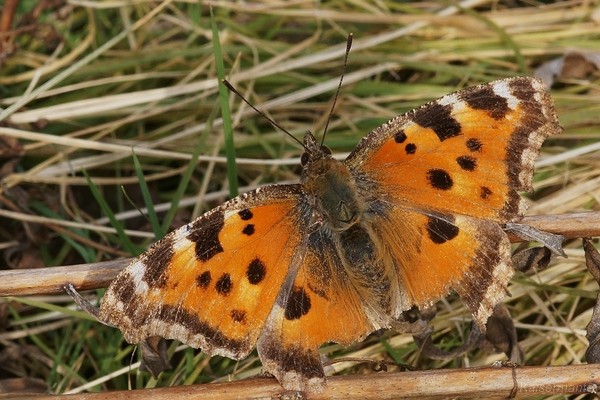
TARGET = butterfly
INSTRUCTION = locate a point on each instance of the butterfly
(414, 212)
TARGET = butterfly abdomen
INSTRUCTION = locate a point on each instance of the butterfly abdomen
(367, 269)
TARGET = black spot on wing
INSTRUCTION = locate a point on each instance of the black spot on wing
(467, 163)
(439, 179)
(249, 230)
(474, 145)
(438, 118)
(485, 192)
(156, 261)
(410, 148)
(245, 214)
(484, 98)
(203, 280)
(298, 304)
(224, 284)
(238, 316)
(400, 137)
(440, 231)
(205, 233)
(256, 272)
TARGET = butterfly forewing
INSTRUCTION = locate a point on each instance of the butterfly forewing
(469, 153)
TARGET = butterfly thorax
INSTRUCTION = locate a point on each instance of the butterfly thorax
(330, 186)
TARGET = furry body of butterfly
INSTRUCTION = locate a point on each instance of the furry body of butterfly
(413, 213)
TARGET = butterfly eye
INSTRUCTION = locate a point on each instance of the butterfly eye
(325, 149)
(304, 159)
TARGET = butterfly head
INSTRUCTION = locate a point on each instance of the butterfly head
(313, 150)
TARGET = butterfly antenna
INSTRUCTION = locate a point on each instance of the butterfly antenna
(265, 116)
(337, 92)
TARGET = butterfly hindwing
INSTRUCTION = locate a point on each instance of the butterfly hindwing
(439, 252)
(321, 305)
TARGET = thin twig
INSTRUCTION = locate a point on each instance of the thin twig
(436, 384)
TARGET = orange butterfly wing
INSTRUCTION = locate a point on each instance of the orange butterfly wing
(470, 152)
(247, 269)
(212, 283)
(439, 252)
(442, 174)
(321, 305)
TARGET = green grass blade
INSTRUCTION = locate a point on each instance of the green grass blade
(124, 239)
(159, 231)
(88, 254)
(33, 302)
(225, 112)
